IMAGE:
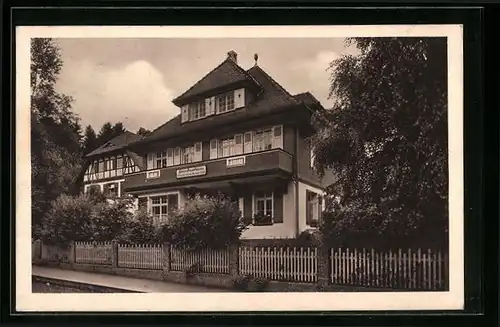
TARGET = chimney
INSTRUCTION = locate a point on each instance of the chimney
(232, 55)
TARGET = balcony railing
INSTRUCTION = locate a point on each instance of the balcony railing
(266, 162)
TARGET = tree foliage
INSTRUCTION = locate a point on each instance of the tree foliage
(205, 222)
(143, 132)
(55, 132)
(385, 138)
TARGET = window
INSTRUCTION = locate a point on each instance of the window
(263, 208)
(101, 166)
(187, 155)
(92, 189)
(262, 140)
(225, 102)
(162, 205)
(161, 160)
(197, 110)
(313, 208)
(111, 189)
(119, 162)
(226, 147)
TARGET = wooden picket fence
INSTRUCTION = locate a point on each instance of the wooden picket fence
(54, 253)
(417, 270)
(140, 256)
(98, 253)
(282, 264)
(210, 260)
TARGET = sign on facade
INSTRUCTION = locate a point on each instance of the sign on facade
(153, 174)
(235, 162)
(191, 172)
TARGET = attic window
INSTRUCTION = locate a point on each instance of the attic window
(197, 110)
(225, 102)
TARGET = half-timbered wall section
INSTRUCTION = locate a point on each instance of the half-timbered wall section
(110, 167)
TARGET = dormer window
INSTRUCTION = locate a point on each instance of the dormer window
(225, 102)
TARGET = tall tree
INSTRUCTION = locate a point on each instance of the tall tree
(118, 129)
(106, 133)
(55, 131)
(386, 140)
(89, 140)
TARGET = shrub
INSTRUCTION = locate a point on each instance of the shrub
(140, 230)
(110, 219)
(213, 222)
(69, 219)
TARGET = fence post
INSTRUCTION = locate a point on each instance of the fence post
(234, 260)
(71, 254)
(166, 259)
(323, 266)
(114, 254)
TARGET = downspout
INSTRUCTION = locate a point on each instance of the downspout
(296, 182)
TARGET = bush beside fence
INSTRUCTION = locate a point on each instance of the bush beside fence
(409, 270)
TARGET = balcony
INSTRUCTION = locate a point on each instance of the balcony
(271, 162)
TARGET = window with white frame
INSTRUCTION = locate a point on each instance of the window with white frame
(197, 110)
(225, 102)
(162, 206)
(161, 160)
(187, 155)
(263, 140)
(263, 210)
(314, 208)
(226, 147)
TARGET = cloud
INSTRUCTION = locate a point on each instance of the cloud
(134, 94)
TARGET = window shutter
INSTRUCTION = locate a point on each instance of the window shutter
(277, 206)
(210, 105)
(213, 149)
(239, 98)
(247, 142)
(198, 151)
(278, 137)
(238, 144)
(240, 206)
(308, 208)
(170, 157)
(177, 156)
(247, 210)
(150, 161)
(184, 114)
(320, 207)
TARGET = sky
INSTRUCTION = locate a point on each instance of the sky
(135, 80)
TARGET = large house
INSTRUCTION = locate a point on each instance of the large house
(241, 133)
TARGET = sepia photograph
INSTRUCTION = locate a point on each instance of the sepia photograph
(293, 163)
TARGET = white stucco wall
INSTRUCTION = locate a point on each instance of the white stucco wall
(286, 229)
(303, 204)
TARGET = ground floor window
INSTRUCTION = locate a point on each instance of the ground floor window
(314, 208)
(263, 208)
(162, 206)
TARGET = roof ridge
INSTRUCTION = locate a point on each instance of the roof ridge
(273, 81)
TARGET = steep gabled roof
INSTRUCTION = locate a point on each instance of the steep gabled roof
(306, 98)
(272, 98)
(228, 72)
(116, 143)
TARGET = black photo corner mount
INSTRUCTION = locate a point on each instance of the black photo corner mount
(480, 271)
